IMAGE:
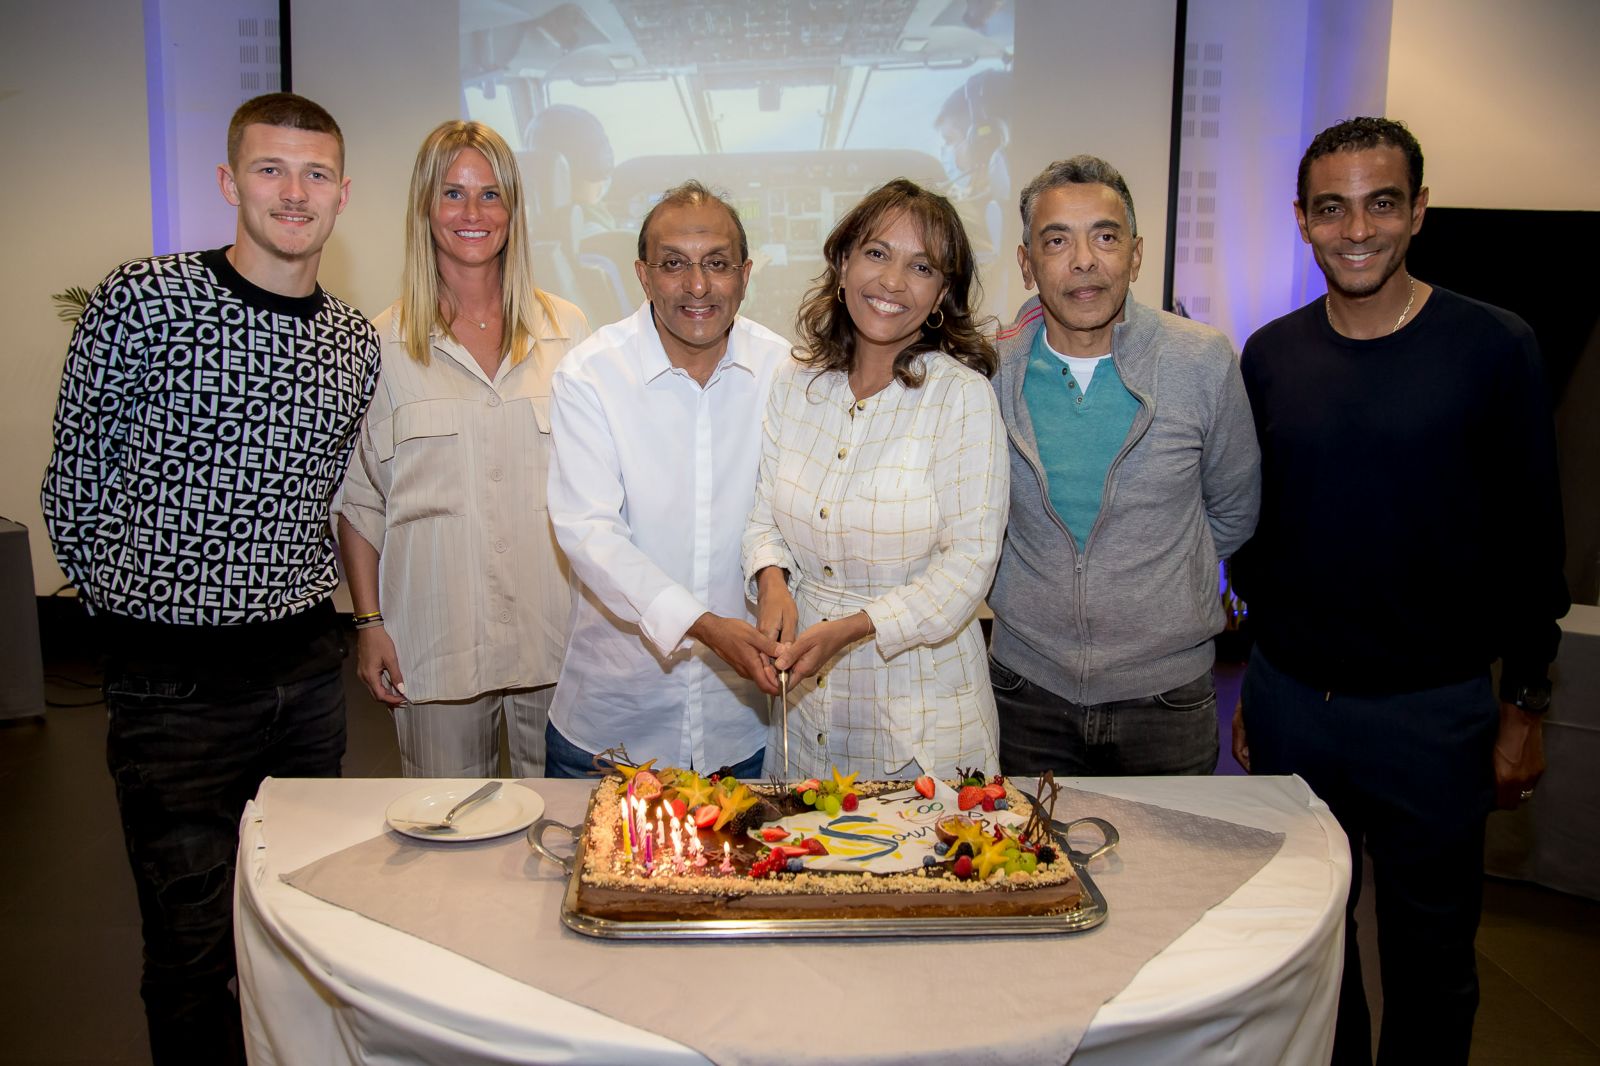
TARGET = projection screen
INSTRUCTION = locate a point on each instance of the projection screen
(793, 109)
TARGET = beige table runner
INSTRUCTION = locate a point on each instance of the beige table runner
(968, 1000)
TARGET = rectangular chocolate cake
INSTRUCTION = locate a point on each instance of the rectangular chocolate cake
(818, 850)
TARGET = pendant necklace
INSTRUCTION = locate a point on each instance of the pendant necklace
(1327, 305)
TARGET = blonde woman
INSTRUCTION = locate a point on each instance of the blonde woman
(460, 596)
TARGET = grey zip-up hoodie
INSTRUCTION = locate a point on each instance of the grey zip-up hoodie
(1134, 613)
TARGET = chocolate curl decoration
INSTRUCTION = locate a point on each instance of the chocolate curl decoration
(1037, 828)
(613, 759)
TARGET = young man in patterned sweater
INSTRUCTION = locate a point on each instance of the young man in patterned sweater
(207, 411)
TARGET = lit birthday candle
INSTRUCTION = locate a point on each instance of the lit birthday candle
(696, 852)
(632, 828)
(727, 859)
(627, 833)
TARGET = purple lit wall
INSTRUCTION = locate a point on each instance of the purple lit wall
(1259, 81)
(202, 60)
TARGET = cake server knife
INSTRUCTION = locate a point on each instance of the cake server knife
(783, 686)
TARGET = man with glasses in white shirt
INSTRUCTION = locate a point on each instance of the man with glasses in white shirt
(657, 436)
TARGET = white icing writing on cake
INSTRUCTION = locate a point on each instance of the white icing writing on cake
(889, 833)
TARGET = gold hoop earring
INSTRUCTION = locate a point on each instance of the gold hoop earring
(931, 324)
(841, 294)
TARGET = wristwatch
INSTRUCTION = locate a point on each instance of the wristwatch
(1534, 699)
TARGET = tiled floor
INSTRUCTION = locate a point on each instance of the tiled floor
(69, 936)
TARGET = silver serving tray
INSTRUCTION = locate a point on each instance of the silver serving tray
(1090, 912)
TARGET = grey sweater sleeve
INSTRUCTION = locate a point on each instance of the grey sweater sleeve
(1230, 464)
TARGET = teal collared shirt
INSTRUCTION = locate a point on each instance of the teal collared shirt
(1079, 432)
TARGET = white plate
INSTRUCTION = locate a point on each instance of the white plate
(509, 810)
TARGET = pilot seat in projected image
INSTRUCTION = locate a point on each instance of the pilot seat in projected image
(795, 109)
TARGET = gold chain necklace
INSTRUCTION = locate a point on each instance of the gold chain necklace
(1327, 305)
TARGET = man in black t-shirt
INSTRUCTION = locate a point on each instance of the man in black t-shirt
(208, 408)
(1410, 535)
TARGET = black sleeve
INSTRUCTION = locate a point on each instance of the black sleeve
(88, 429)
(1534, 590)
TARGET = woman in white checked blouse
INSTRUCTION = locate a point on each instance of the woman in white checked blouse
(460, 597)
(881, 503)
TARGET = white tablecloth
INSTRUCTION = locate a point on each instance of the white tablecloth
(1255, 980)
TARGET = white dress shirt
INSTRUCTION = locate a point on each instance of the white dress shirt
(650, 486)
(893, 505)
(448, 483)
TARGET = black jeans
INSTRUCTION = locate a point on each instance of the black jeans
(1172, 732)
(185, 756)
(1412, 777)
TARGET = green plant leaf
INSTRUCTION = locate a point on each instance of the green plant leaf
(70, 304)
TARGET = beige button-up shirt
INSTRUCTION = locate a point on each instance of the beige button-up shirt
(893, 505)
(448, 483)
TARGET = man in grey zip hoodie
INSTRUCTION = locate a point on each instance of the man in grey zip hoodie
(1134, 468)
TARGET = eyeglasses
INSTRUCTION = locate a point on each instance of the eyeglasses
(713, 266)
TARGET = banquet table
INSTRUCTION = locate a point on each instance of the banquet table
(1254, 980)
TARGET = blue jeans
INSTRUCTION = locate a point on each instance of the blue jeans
(563, 758)
(1411, 776)
(1172, 732)
(185, 756)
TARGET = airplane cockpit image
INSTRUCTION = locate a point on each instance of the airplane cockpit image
(792, 109)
